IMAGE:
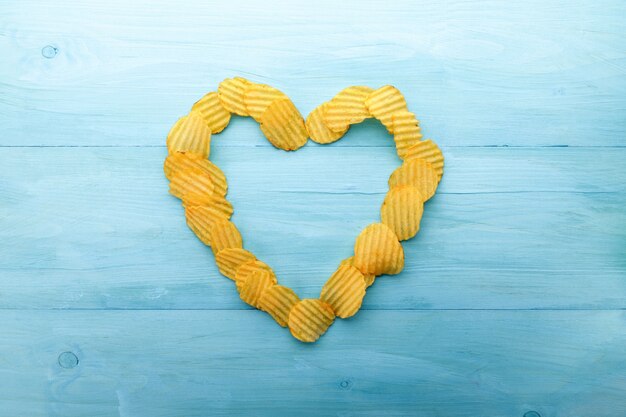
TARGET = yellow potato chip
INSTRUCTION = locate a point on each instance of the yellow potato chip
(406, 131)
(346, 108)
(402, 211)
(190, 134)
(200, 220)
(191, 182)
(309, 319)
(344, 291)
(278, 302)
(317, 129)
(244, 271)
(214, 114)
(255, 285)
(258, 97)
(178, 161)
(377, 251)
(384, 102)
(224, 234)
(418, 173)
(368, 278)
(283, 126)
(231, 92)
(219, 205)
(428, 151)
(230, 259)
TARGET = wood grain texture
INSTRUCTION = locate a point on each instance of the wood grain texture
(512, 302)
(380, 363)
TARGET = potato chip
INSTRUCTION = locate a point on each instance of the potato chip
(317, 129)
(418, 173)
(244, 271)
(283, 126)
(223, 235)
(346, 108)
(309, 319)
(377, 251)
(255, 285)
(258, 97)
(214, 114)
(344, 291)
(218, 205)
(402, 211)
(230, 259)
(191, 182)
(231, 92)
(428, 151)
(278, 302)
(406, 131)
(368, 278)
(383, 103)
(200, 220)
(184, 161)
(190, 134)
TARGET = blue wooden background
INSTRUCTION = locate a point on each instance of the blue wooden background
(514, 295)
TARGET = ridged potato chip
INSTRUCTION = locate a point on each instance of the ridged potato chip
(418, 173)
(309, 319)
(377, 251)
(402, 211)
(278, 302)
(231, 92)
(258, 97)
(230, 259)
(224, 235)
(191, 182)
(368, 278)
(346, 108)
(406, 131)
(317, 129)
(344, 291)
(214, 114)
(255, 285)
(178, 161)
(383, 103)
(200, 220)
(428, 151)
(218, 205)
(244, 271)
(190, 134)
(283, 126)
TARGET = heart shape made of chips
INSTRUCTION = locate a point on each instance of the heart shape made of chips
(202, 187)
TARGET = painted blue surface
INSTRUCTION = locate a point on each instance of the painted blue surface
(512, 301)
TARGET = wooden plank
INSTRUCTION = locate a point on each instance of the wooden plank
(477, 73)
(511, 228)
(225, 363)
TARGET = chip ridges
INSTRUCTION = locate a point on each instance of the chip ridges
(344, 291)
(214, 114)
(317, 128)
(230, 259)
(383, 102)
(309, 319)
(202, 188)
(190, 134)
(231, 92)
(283, 126)
(402, 211)
(255, 285)
(418, 173)
(346, 108)
(377, 251)
(428, 151)
(278, 302)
